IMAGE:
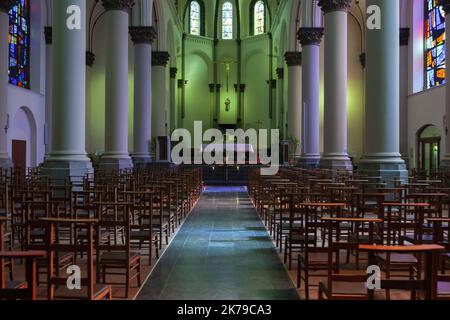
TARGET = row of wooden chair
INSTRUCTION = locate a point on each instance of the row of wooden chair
(105, 223)
(297, 206)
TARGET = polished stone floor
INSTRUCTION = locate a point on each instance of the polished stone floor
(221, 252)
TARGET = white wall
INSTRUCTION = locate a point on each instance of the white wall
(425, 108)
(33, 99)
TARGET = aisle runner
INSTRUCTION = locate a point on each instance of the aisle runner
(222, 252)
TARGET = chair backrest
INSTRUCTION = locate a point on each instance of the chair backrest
(427, 284)
(56, 247)
(22, 292)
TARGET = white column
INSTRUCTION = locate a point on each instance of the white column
(116, 155)
(159, 121)
(335, 154)
(48, 88)
(310, 39)
(382, 130)
(68, 156)
(445, 164)
(5, 160)
(294, 113)
(173, 86)
(90, 109)
(404, 63)
(143, 38)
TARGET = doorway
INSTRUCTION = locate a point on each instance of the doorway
(19, 155)
(429, 149)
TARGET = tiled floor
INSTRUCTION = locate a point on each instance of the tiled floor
(221, 252)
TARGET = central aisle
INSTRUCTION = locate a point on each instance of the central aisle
(221, 252)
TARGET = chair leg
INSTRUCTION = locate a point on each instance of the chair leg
(127, 284)
(139, 274)
(285, 250)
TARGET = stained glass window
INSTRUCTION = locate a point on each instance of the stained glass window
(19, 44)
(434, 44)
(195, 18)
(227, 21)
(259, 17)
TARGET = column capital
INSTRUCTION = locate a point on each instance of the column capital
(310, 36)
(173, 73)
(48, 33)
(90, 58)
(293, 58)
(182, 83)
(446, 5)
(335, 5)
(239, 87)
(5, 5)
(141, 35)
(280, 73)
(404, 36)
(212, 87)
(124, 5)
(160, 58)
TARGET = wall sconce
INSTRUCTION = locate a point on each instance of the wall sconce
(7, 124)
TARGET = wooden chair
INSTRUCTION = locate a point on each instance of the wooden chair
(57, 285)
(20, 290)
(340, 286)
(117, 255)
(6, 237)
(427, 285)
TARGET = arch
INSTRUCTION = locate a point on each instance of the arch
(227, 20)
(159, 24)
(187, 16)
(267, 16)
(24, 127)
(428, 148)
(294, 25)
(428, 131)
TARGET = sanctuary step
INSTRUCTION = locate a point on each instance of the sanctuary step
(222, 175)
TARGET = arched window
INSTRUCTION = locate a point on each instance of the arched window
(434, 44)
(227, 21)
(19, 44)
(195, 18)
(259, 18)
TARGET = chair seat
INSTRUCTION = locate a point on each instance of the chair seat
(140, 234)
(316, 258)
(118, 258)
(425, 238)
(64, 258)
(443, 288)
(286, 225)
(15, 285)
(364, 238)
(350, 288)
(302, 238)
(398, 258)
(100, 292)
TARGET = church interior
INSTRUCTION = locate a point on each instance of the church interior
(99, 100)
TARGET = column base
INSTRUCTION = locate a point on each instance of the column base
(115, 163)
(6, 162)
(445, 163)
(140, 161)
(308, 162)
(76, 170)
(336, 163)
(389, 171)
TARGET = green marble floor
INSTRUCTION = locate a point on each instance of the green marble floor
(221, 252)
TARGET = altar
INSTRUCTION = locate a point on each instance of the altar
(232, 151)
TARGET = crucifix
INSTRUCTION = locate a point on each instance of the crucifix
(227, 64)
